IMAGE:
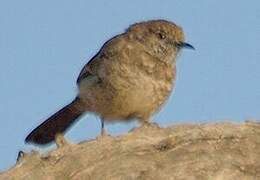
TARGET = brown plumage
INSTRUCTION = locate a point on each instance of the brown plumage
(57, 123)
(130, 77)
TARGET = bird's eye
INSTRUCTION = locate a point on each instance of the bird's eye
(161, 36)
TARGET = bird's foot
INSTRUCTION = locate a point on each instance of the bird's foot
(61, 141)
(147, 124)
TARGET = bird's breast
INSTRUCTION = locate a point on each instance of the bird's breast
(133, 84)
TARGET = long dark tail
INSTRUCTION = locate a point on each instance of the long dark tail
(56, 124)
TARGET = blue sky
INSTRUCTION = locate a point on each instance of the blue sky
(44, 44)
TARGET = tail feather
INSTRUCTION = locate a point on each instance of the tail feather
(56, 124)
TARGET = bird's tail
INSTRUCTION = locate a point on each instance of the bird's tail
(56, 124)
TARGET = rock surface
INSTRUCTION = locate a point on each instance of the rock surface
(222, 151)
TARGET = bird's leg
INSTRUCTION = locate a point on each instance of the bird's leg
(103, 131)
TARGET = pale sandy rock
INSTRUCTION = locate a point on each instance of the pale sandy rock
(221, 151)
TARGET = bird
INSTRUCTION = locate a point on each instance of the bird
(130, 77)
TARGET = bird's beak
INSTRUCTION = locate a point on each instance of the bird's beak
(185, 45)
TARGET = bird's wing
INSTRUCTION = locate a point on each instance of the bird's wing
(104, 53)
(86, 70)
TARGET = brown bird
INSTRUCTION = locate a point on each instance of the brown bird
(130, 77)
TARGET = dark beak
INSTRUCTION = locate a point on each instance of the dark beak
(185, 45)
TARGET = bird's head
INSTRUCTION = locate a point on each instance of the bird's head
(161, 36)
